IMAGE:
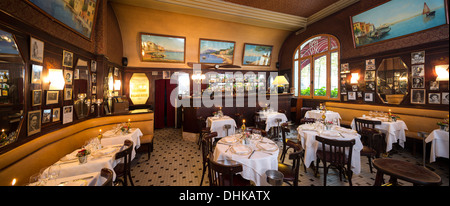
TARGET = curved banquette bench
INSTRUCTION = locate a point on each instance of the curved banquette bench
(41, 152)
(417, 120)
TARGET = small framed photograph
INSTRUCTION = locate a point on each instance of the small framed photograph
(418, 82)
(434, 85)
(36, 98)
(46, 115)
(94, 78)
(370, 86)
(116, 71)
(94, 89)
(68, 74)
(343, 90)
(67, 59)
(345, 98)
(76, 74)
(359, 94)
(369, 76)
(354, 88)
(56, 114)
(418, 70)
(345, 68)
(52, 97)
(67, 94)
(351, 95)
(166, 74)
(417, 96)
(34, 122)
(370, 64)
(67, 114)
(36, 74)
(418, 57)
(93, 66)
(368, 96)
(434, 98)
(445, 98)
(36, 50)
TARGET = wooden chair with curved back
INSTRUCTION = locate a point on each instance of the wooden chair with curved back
(108, 175)
(207, 142)
(201, 126)
(334, 152)
(222, 174)
(295, 144)
(371, 138)
(291, 173)
(122, 170)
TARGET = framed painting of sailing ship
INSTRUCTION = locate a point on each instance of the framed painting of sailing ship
(162, 48)
(257, 55)
(78, 16)
(397, 18)
(216, 51)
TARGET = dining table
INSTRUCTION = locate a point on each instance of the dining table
(216, 124)
(270, 117)
(102, 155)
(394, 130)
(87, 179)
(307, 135)
(329, 115)
(257, 155)
(439, 144)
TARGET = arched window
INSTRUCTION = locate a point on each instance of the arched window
(316, 68)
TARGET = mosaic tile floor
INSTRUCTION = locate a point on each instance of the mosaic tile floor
(177, 162)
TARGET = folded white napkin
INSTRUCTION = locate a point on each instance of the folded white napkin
(240, 149)
(268, 146)
(331, 133)
(229, 139)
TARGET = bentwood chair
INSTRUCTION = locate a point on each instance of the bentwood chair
(262, 132)
(108, 175)
(122, 170)
(334, 152)
(206, 151)
(373, 146)
(291, 173)
(295, 144)
(201, 126)
(225, 174)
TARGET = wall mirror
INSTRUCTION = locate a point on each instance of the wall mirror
(11, 89)
(80, 89)
(392, 81)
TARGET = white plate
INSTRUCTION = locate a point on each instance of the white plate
(269, 147)
(330, 133)
(241, 149)
(229, 139)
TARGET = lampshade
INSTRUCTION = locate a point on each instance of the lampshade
(56, 79)
(280, 80)
(442, 72)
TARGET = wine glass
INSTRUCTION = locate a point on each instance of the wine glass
(43, 177)
(34, 179)
(53, 172)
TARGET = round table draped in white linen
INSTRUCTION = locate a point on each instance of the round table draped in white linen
(439, 144)
(216, 125)
(270, 117)
(329, 115)
(395, 131)
(254, 168)
(307, 136)
(111, 137)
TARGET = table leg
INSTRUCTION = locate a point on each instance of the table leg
(378, 178)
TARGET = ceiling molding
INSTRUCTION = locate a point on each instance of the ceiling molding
(226, 11)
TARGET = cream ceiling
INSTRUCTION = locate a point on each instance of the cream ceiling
(278, 14)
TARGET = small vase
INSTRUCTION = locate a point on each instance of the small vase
(443, 127)
(328, 127)
(82, 159)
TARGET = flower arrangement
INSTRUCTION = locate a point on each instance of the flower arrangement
(394, 117)
(125, 128)
(83, 152)
(444, 124)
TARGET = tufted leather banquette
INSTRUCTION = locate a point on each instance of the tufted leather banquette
(27, 159)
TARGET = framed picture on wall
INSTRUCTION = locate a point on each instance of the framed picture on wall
(36, 74)
(67, 59)
(418, 57)
(67, 94)
(345, 68)
(93, 66)
(162, 48)
(94, 89)
(67, 114)
(418, 96)
(257, 55)
(434, 98)
(216, 51)
(36, 98)
(368, 96)
(46, 116)
(68, 74)
(380, 24)
(56, 114)
(351, 95)
(370, 64)
(36, 50)
(52, 97)
(34, 122)
(445, 98)
(418, 82)
(418, 70)
(369, 76)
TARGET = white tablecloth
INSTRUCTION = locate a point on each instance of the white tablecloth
(254, 168)
(308, 138)
(111, 138)
(395, 131)
(88, 179)
(216, 125)
(270, 118)
(329, 115)
(439, 144)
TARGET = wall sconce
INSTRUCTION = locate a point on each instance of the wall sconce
(117, 85)
(441, 72)
(55, 79)
(354, 79)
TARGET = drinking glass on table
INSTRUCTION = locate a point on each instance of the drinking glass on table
(53, 172)
(371, 113)
(43, 178)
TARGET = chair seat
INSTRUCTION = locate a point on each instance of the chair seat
(367, 151)
(294, 143)
(119, 169)
(287, 171)
(206, 130)
(148, 138)
(238, 180)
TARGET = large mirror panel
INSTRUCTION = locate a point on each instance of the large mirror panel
(81, 88)
(392, 81)
(11, 89)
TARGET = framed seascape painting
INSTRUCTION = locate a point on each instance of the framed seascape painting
(257, 55)
(216, 51)
(78, 16)
(162, 48)
(397, 18)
